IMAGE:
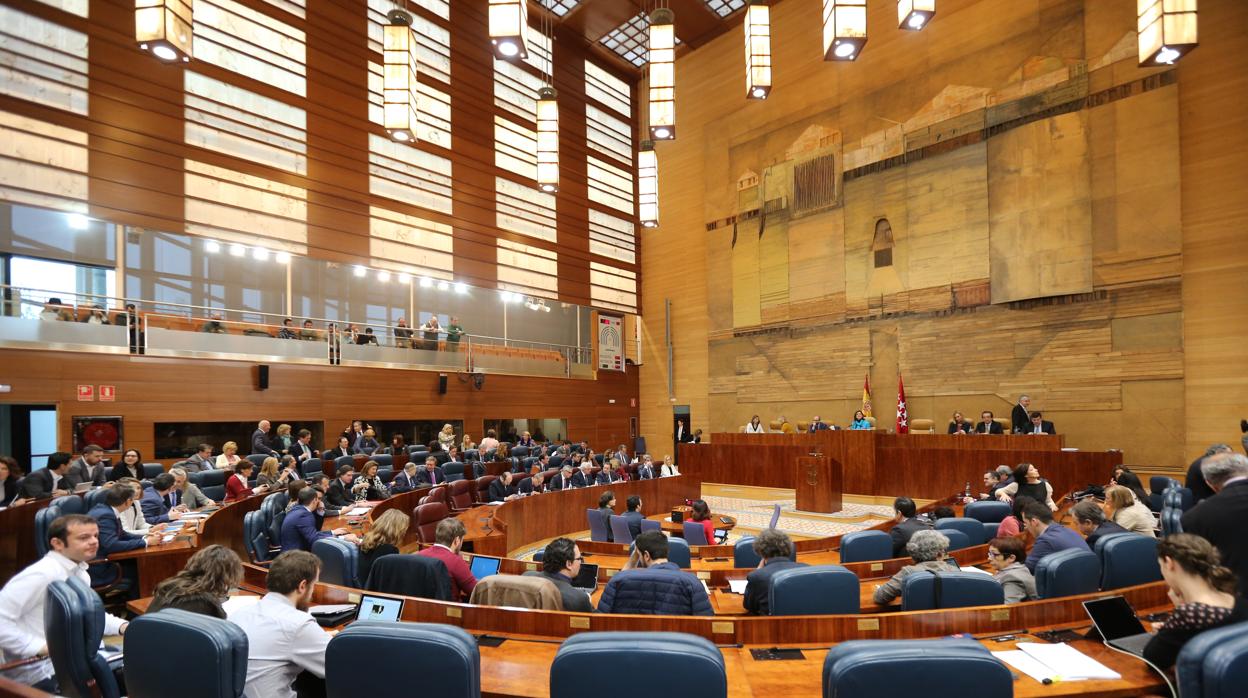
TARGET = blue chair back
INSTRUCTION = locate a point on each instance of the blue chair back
(257, 459)
(555, 462)
(214, 492)
(689, 665)
(1067, 573)
(1127, 560)
(312, 466)
(987, 511)
(43, 521)
(933, 668)
(808, 591)
(340, 561)
(1099, 547)
(208, 478)
(1214, 664)
(958, 538)
(418, 456)
(973, 528)
(70, 504)
(343, 460)
(743, 554)
(597, 525)
(1158, 484)
(1180, 498)
(866, 546)
(73, 618)
(472, 455)
(219, 647)
(445, 658)
(383, 460)
(775, 517)
(520, 452)
(1171, 521)
(678, 552)
(957, 590)
(695, 534)
(620, 531)
(151, 470)
(454, 470)
(651, 525)
(255, 536)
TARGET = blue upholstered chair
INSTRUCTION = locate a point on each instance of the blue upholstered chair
(1180, 498)
(1171, 521)
(930, 668)
(1158, 484)
(151, 470)
(597, 525)
(454, 470)
(775, 516)
(69, 504)
(74, 625)
(695, 534)
(383, 460)
(987, 511)
(1067, 573)
(743, 554)
(808, 591)
(208, 478)
(520, 452)
(1214, 664)
(43, 521)
(257, 459)
(1127, 560)
(678, 552)
(957, 539)
(444, 657)
(340, 561)
(96, 496)
(417, 456)
(651, 525)
(219, 649)
(689, 665)
(973, 528)
(866, 546)
(957, 590)
(345, 460)
(256, 537)
(620, 532)
(1099, 547)
(312, 466)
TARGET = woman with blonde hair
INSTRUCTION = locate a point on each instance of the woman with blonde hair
(466, 443)
(1203, 593)
(229, 456)
(384, 538)
(446, 437)
(282, 439)
(203, 585)
(1124, 509)
(268, 472)
(668, 467)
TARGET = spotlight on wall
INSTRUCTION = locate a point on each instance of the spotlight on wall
(360, 272)
(237, 250)
(461, 288)
(212, 246)
(426, 282)
(383, 276)
(282, 257)
(260, 254)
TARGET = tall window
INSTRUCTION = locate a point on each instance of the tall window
(882, 244)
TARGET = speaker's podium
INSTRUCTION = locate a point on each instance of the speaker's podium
(818, 484)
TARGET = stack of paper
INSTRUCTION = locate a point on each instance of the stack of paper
(737, 586)
(1059, 662)
(235, 603)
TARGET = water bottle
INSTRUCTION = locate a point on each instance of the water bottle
(967, 492)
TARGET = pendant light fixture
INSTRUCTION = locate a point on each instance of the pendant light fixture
(164, 27)
(1167, 30)
(648, 185)
(662, 59)
(844, 29)
(757, 50)
(548, 123)
(509, 28)
(399, 92)
(913, 15)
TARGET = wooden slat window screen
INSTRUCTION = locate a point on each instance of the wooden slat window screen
(434, 117)
(608, 135)
(42, 62)
(238, 122)
(525, 210)
(613, 237)
(226, 204)
(609, 185)
(423, 245)
(433, 42)
(412, 176)
(527, 269)
(612, 287)
(42, 164)
(251, 43)
(608, 90)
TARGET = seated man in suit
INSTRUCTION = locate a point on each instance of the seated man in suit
(987, 425)
(113, 536)
(585, 476)
(650, 585)
(405, 481)
(561, 563)
(532, 485)
(563, 479)
(201, 460)
(1037, 425)
(300, 527)
(1019, 417)
(343, 449)
(775, 549)
(609, 474)
(1050, 537)
(88, 467)
(817, 424)
(1091, 522)
(634, 515)
(339, 494)
(448, 541)
(501, 490)
(50, 481)
(432, 474)
(160, 502)
(907, 524)
(646, 470)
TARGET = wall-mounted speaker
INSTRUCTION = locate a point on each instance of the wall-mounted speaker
(442, 384)
(262, 377)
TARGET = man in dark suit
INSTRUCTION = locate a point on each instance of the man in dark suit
(907, 524)
(645, 471)
(343, 449)
(683, 435)
(532, 485)
(1220, 518)
(562, 479)
(88, 467)
(634, 515)
(817, 424)
(160, 502)
(1091, 522)
(1038, 425)
(501, 490)
(606, 476)
(987, 425)
(339, 494)
(775, 549)
(405, 481)
(1196, 480)
(260, 439)
(200, 460)
(49, 481)
(302, 449)
(300, 528)
(431, 475)
(1020, 418)
(583, 477)
(113, 537)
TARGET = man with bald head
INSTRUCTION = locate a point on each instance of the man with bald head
(260, 439)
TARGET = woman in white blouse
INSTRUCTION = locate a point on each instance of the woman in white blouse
(1124, 509)
(229, 456)
(446, 437)
(755, 426)
(669, 468)
(132, 520)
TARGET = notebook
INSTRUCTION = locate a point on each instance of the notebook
(379, 608)
(587, 578)
(483, 567)
(1115, 620)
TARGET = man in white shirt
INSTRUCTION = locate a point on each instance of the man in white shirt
(73, 540)
(282, 637)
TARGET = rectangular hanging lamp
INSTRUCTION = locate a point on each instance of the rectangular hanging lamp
(399, 92)
(757, 50)
(547, 140)
(844, 29)
(509, 28)
(164, 27)
(913, 15)
(1167, 30)
(662, 58)
(648, 185)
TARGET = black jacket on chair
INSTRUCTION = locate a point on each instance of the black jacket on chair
(1219, 520)
(410, 575)
(758, 584)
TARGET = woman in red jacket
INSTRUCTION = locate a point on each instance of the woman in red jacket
(237, 487)
(701, 513)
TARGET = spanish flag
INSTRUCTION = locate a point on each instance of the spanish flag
(866, 396)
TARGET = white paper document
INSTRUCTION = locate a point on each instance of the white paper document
(358, 511)
(236, 603)
(975, 569)
(330, 609)
(1059, 662)
(737, 586)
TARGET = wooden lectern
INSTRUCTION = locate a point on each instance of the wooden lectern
(818, 484)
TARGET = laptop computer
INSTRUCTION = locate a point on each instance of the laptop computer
(1117, 623)
(483, 567)
(587, 578)
(379, 608)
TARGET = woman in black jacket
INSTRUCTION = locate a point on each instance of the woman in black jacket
(9, 472)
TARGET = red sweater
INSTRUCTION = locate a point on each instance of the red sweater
(462, 581)
(236, 489)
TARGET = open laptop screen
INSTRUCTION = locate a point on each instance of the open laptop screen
(1114, 618)
(587, 578)
(483, 567)
(379, 608)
